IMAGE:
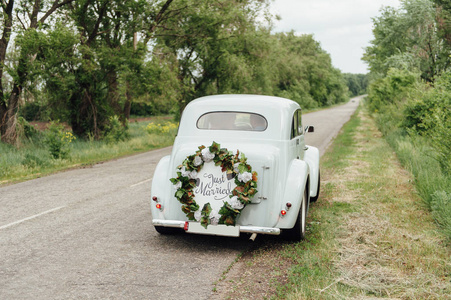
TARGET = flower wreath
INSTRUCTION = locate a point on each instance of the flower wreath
(234, 165)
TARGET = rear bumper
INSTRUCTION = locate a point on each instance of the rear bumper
(244, 229)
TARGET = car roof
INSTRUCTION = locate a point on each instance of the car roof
(277, 111)
(248, 103)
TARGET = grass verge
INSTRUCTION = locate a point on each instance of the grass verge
(33, 159)
(369, 235)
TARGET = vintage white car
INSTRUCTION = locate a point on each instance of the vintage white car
(239, 164)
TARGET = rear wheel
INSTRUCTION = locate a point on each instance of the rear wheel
(297, 233)
(313, 199)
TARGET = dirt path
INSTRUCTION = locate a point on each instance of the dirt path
(383, 242)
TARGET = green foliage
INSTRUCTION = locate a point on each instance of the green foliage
(436, 122)
(162, 128)
(114, 131)
(33, 111)
(407, 38)
(57, 140)
(143, 109)
(304, 73)
(32, 159)
(415, 119)
(441, 208)
(412, 103)
(26, 131)
(99, 59)
(390, 89)
(240, 57)
(357, 83)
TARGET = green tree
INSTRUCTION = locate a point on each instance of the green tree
(27, 16)
(357, 83)
(304, 72)
(407, 38)
(444, 20)
(105, 64)
(215, 43)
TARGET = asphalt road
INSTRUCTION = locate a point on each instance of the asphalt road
(87, 233)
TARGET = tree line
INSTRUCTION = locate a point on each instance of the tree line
(85, 62)
(410, 94)
(410, 64)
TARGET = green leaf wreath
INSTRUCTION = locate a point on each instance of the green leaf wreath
(234, 165)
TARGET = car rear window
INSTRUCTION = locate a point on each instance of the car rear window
(232, 121)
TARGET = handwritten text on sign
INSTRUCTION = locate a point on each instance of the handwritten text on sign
(213, 186)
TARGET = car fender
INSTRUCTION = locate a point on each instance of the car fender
(297, 178)
(311, 157)
(160, 188)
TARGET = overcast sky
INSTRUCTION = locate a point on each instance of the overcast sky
(343, 27)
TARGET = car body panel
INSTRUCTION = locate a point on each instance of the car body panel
(285, 165)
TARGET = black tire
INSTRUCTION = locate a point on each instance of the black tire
(167, 230)
(313, 199)
(297, 233)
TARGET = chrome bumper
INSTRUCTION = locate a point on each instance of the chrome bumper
(244, 229)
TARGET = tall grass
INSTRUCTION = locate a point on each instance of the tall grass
(32, 158)
(432, 183)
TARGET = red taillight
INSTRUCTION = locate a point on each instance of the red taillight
(288, 204)
(186, 226)
(154, 198)
(283, 212)
(158, 206)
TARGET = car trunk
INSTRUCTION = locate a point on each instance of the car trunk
(265, 205)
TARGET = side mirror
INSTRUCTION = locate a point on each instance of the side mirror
(309, 129)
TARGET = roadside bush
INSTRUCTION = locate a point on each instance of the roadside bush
(165, 128)
(115, 131)
(390, 89)
(429, 114)
(58, 140)
(142, 109)
(26, 131)
(33, 111)
(415, 115)
(437, 121)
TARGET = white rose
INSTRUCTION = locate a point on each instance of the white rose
(192, 174)
(214, 217)
(184, 171)
(178, 185)
(235, 203)
(235, 168)
(207, 156)
(197, 161)
(198, 215)
(245, 177)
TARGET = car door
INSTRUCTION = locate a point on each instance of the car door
(297, 135)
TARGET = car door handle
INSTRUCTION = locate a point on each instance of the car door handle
(297, 142)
